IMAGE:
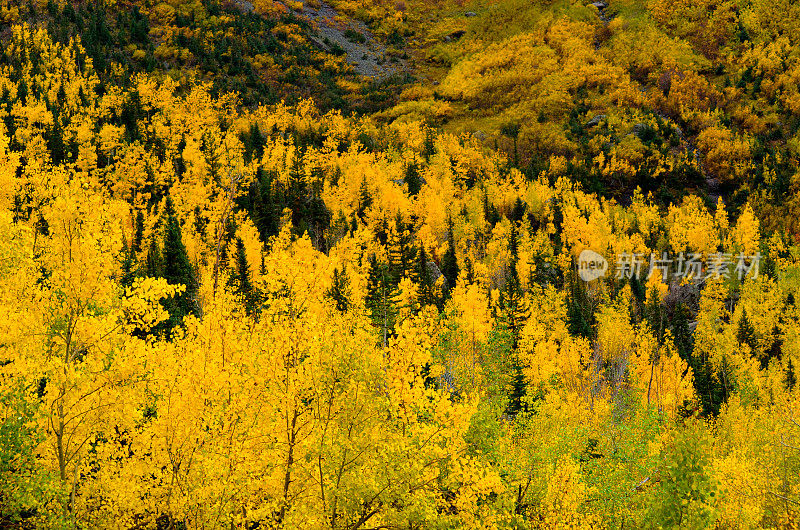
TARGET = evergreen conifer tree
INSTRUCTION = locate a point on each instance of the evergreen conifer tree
(402, 252)
(449, 261)
(380, 292)
(364, 199)
(413, 179)
(138, 232)
(339, 291)
(177, 269)
(153, 265)
(425, 288)
(241, 280)
(791, 377)
(513, 314)
(745, 333)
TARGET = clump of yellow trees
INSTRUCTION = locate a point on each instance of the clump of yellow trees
(214, 317)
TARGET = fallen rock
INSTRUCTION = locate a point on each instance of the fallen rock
(596, 120)
(470, 14)
(600, 5)
(244, 6)
(434, 272)
(320, 44)
(479, 135)
(455, 36)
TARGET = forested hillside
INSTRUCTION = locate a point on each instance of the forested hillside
(540, 271)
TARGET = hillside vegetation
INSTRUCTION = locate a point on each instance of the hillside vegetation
(242, 286)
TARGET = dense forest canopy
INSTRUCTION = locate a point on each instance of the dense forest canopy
(539, 272)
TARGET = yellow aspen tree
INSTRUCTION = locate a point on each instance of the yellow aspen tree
(745, 237)
(470, 304)
(565, 495)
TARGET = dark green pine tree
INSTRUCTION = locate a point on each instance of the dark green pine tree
(382, 232)
(364, 199)
(518, 212)
(22, 91)
(253, 144)
(429, 146)
(776, 349)
(681, 334)
(469, 270)
(725, 377)
(708, 386)
(512, 131)
(55, 142)
(241, 281)
(153, 264)
(490, 212)
(228, 233)
(138, 232)
(402, 251)
(178, 270)
(449, 261)
(296, 192)
(339, 291)
(380, 292)
(580, 313)
(263, 210)
(654, 314)
(315, 213)
(791, 377)
(413, 179)
(128, 264)
(426, 294)
(745, 332)
(513, 314)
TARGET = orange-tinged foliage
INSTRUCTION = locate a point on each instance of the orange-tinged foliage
(214, 316)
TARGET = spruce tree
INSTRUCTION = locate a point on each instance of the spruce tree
(654, 314)
(775, 350)
(681, 334)
(178, 269)
(518, 212)
(725, 376)
(339, 292)
(364, 199)
(708, 384)
(449, 261)
(138, 233)
(791, 377)
(402, 251)
(264, 212)
(380, 292)
(381, 231)
(580, 313)
(55, 143)
(513, 314)
(153, 264)
(745, 333)
(128, 264)
(296, 193)
(490, 212)
(241, 280)
(413, 179)
(253, 144)
(425, 288)
(429, 146)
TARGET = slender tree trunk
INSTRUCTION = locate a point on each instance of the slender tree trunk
(234, 179)
(287, 477)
